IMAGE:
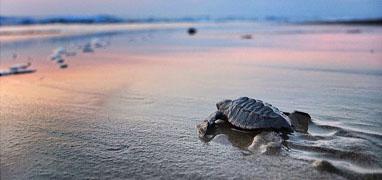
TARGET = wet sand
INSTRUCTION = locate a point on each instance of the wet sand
(130, 110)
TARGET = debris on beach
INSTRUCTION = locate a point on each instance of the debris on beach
(97, 43)
(55, 57)
(58, 55)
(353, 31)
(63, 65)
(18, 69)
(87, 48)
(59, 52)
(14, 56)
(24, 71)
(70, 54)
(60, 60)
(20, 66)
(191, 31)
(4, 72)
(246, 36)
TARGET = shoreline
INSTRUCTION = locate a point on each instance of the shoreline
(355, 22)
(26, 32)
(109, 19)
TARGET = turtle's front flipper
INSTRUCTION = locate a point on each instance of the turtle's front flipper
(202, 129)
(207, 125)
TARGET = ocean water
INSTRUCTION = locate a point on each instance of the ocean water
(130, 110)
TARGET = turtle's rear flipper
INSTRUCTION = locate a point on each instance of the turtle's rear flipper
(300, 121)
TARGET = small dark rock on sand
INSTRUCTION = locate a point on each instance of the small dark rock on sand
(246, 36)
(353, 31)
(63, 66)
(60, 60)
(191, 31)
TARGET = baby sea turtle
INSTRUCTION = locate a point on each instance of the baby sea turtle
(252, 114)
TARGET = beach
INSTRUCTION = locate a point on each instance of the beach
(129, 110)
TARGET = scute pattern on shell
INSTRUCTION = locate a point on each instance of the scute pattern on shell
(247, 113)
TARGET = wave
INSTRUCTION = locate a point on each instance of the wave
(108, 19)
(99, 19)
(373, 21)
(16, 20)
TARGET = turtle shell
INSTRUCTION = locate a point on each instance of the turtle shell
(250, 114)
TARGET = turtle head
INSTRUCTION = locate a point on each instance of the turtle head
(223, 105)
(300, 121)
(204, 129)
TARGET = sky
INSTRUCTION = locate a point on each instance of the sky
(182, 8)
